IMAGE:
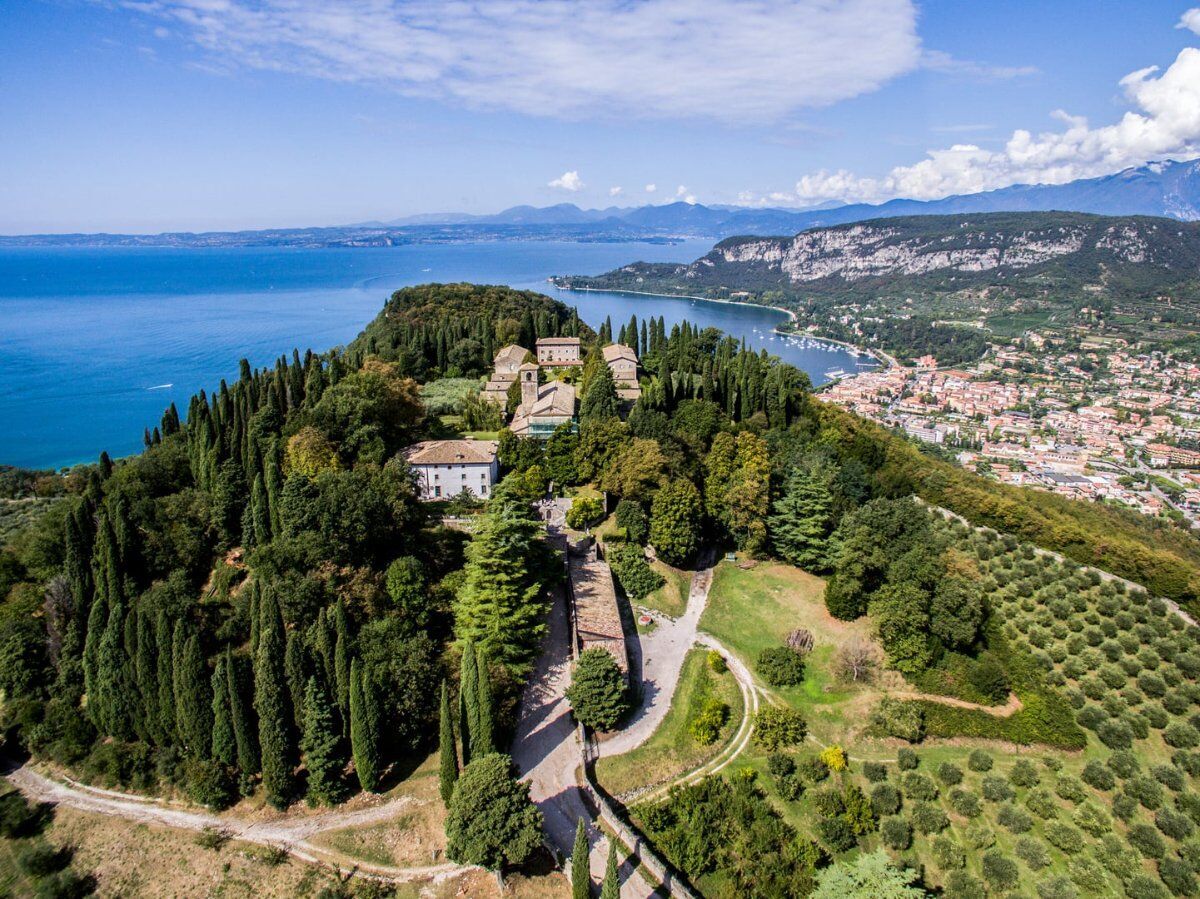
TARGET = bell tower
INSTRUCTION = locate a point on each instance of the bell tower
(529, 384)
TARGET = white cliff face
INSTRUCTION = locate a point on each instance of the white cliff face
(870, 251)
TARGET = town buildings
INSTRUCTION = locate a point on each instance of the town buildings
(543, 406)
(504, 372)
(447, 468)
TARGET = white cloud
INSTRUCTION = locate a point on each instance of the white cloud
(615, 191)
(651, 188)
(730, 60)
(939, 61)
(1163, 121)
(680, 192)
(1190, 20)
(567, 181)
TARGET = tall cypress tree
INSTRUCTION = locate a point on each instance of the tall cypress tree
(145, 675)
(342, 652)
(447, 752)
(254, 617)
(275, 732)
(224, 743)
(468, 702)
(114, 684)
(581, 875)
(244, 732)
(97, 620)
(296, 665)
(364, 729)
(322, 744)
(483, 739)
(165, 665)
(611, 888)
(193, 699)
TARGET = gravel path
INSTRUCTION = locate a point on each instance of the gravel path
(291, 834)
(662, 652)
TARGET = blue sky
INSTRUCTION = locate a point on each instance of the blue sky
(150, 115)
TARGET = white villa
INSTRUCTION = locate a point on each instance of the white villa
(554, 351)
(622, 361)
(445, 468)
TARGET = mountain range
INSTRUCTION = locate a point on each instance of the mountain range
(1169, 189)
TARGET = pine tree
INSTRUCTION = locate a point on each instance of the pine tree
(447, 752)
(244, 732)
(193, 700)
(321, 745)
(165, 665)
(611, 888)
(483, 739)
(468, 701)
(581, 875)
(364, 729)
(271, 701)
(801, 521)
(224, 743)
(600, 397)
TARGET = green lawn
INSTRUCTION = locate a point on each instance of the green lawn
(672, 750)
(671, 598)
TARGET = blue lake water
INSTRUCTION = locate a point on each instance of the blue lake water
(95, 343)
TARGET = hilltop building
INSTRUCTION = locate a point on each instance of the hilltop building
(543, 406)
(559, 351)
(445, 468)
(622, 361)
(505, 367)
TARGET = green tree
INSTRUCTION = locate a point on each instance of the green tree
(468, 701)
(599, 397)
(491, 821)
(342, 652)
(271, 701)
(224, 742)
(364, 729)
(870, 876)
(597, 692)
(447, 752)
(901, 616)
(631, 516)
(483, 739)
(611, 886)
(322, 746)
(408, 589)
(244, 731)
(800, 523)
(581, 876)
(675, 518)
(193, 699)
(584, 512)
(165, 678)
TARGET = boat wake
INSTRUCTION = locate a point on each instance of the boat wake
(160, 386)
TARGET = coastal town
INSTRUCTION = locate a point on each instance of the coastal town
(1093, 419)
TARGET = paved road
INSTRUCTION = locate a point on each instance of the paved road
(661, 652)
(547, 752)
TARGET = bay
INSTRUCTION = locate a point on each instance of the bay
(95, 343)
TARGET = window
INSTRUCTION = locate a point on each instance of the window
(437, 491)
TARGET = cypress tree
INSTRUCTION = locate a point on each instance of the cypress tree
(321, 745)
(244, 732)
(483, 738)
(97, 619)
(468, 702)
(224, 743)
(611, 888)
(364, 729)
(164, 664)
(296, 664)
(113, 697)
(342, 652)
(275, 734)
(259, 530)
(600, 398)
(145, 674)
(254, 617)
(193, 700)
(581, 875)
(447, 752)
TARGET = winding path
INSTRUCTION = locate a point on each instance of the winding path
(290, 833)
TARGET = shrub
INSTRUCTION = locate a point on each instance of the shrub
(979, 761)
(1088, 876)
(706, 726)
(1056, 888)
(1096, 774)
(906, 759)
(874, 772)
(1178, 877)
(999, 871)
(919, 786)
(885, 800)
(1115, 734)
(948, 855)
(1123, 764)
(1091, 819)
(597, 692)
(834, 758)
(1188, 762)
(1041, 803)
(813, 769)
(961, 885)
(1173, 824)
(896, 718)
(928, 818)
(716, 662)
(836, 834)
(1116, 856)
(1069, 788)
(997, 789)
(1145, 839)
(1169, 776)
(965, 803)
(637, 578)
(1024, 774)
(949, 774)
(828, 803)
(1124, 807)
(1146, 791)
(988, 677)
(1151, 684)
(775, 727)
(1181, 736)
(1189, 804)
(780, 666)
(780, 765)
(979, 836)
(896, 833)
(1144, 887)
(211, 784)
(1064, 837)
(1014, 818)
(1032, 852)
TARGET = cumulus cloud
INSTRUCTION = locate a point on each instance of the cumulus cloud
(615, 191)
(567, 181)
(1163, 121)
(651, 188)
(562, 58)
(1190, 20)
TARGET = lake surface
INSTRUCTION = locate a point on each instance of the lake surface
(95, 343)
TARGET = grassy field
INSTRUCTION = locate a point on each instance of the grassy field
(672, 750)
(671, 598)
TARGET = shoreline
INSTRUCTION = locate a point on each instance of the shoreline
(885, 361)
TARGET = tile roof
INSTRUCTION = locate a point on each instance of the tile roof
(452, 452)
